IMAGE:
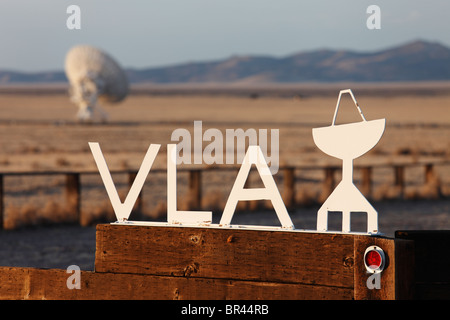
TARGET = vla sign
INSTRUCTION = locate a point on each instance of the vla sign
(346, 142)
(238, 193)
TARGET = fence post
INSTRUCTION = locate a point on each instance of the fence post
(2, 203)
(73, 197)
(432, 181)
(400, 178)
(289, 187)
(137, 209)
(429, 173)
(195, 189)
(329, 183)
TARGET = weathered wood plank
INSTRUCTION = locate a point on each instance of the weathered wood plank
(143, 262)
(30, 283)
(285, 257)
(14, 283)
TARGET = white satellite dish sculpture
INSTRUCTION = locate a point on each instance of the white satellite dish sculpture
(93, 76)
(348, 142)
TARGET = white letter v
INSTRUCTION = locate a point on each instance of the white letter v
(123, 210)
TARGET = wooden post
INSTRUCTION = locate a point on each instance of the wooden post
(396, 281)
(329, 177)
(329, 183)
(432, 182)
(73, 197)
(289, 187)
(137, 209)
(367, 181)
(195, 189)
(400, 178)
(2, 203)
(429, 173)
(430, 176)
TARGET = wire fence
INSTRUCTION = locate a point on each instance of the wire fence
(76, 187)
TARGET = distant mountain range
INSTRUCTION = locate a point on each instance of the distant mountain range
(416, 61)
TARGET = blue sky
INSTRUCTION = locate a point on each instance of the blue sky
(148, 33)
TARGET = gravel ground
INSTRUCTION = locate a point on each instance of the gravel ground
(62, 245)
(56, 246)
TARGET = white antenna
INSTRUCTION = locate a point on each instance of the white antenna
(93, 76)
(348, 142)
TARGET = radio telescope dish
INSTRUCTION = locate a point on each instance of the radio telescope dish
(94, 76)
(348, 142)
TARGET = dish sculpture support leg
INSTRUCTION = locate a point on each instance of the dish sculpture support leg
(346, 198)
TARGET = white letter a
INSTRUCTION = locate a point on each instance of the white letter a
(270, 191)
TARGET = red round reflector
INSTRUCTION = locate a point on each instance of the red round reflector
(373, 259)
